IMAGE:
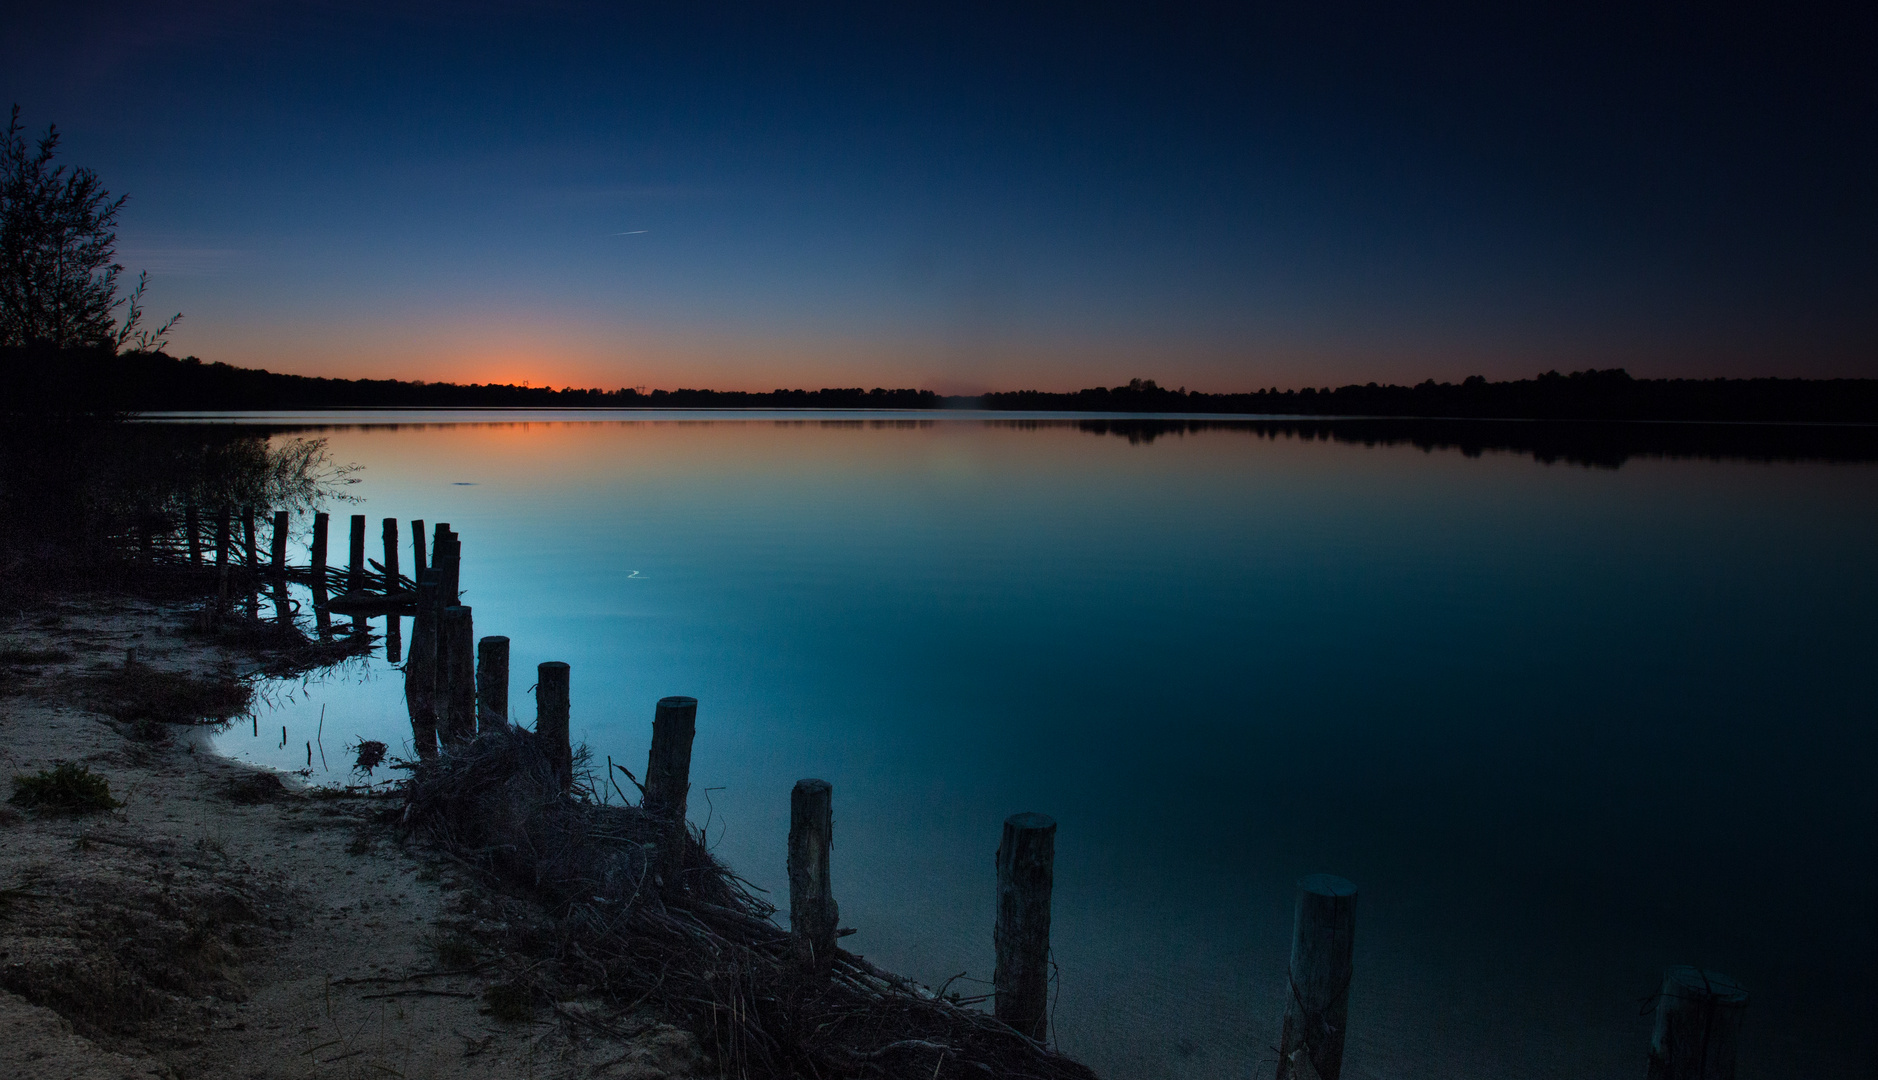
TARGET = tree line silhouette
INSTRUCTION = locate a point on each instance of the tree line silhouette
(102, 378)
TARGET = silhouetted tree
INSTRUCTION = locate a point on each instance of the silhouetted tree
(58, 242)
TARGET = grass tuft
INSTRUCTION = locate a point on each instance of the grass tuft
(70, 787)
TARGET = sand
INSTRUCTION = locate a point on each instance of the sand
(214, 926)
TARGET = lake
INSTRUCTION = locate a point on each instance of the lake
(1564, 718)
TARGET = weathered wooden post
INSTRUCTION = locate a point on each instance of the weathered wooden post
(355, 552)
(391, 556)
(279, 544)
(456, 675)
(492, 683)
(394, 637)
(420, 668)
(1698, 1021)
(1317, 1007)
(1021, 979)
(813, 914)
(418, 565)
(221, 563)
(283, 608)
(251, 563)
(192, 534)
(446, 556)
(551, 720)
(322, 618)
(668, 777)
(319, 548)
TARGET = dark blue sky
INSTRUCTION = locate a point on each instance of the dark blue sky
(982, 198)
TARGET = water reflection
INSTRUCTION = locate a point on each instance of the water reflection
(1563, 726)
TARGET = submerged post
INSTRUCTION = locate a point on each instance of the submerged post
(813, 914)
(319, 548)
(247, 538)
(279, 543)
(192, 534)
(1021, 979)
(355, 556)
(1317, 1006)
(418, 566)
(391, 556)
(668, 776)
(551, 712)
(1698, 1021)
(394, 637)
(492, 683)
(420, 669)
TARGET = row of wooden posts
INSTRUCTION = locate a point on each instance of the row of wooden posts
(457, 686)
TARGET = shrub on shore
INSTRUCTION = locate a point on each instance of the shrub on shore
(68, 787)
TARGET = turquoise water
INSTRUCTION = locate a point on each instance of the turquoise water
(1563, 726)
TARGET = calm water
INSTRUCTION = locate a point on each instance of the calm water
(1563, 726)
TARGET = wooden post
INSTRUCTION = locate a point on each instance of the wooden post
(1698, 1020)
(492, 683)
(251, 562)
(192, 529)
(813, 914)
(1021, 979)
(321, 617)
(420, 669)
(668, 780)
(394, 637)
(355, 561)
(319, 548)
(279, 541)
(391, 556)
(551, 720)
(1317, 1006)
(456, 675)
(283, 608)
(446, 556)
(418, 565)
(221, 563)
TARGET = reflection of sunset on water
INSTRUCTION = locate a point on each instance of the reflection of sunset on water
(1454, 674)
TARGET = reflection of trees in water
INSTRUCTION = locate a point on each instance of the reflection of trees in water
(1605, 445)
(86, 489)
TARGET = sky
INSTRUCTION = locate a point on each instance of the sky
(967, 198)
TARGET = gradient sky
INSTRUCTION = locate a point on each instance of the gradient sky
(981, 197)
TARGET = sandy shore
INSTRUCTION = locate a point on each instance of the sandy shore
(214, 926)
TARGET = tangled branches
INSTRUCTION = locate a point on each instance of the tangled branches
(695, 941)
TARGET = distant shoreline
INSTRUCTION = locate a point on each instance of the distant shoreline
(155, 382)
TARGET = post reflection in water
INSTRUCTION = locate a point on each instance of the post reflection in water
(1567, 713)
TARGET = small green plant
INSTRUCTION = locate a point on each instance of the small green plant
(509, 1003)
(70, 787)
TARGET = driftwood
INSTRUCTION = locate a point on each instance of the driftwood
(678, 931)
